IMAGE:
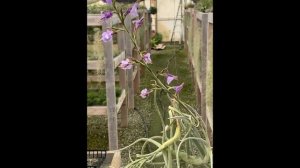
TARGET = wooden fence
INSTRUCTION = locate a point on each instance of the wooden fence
(198, 29)
(129, 79)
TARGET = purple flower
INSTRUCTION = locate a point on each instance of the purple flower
(144, 93)
(107, 36)
(132, 11)
(106, 15)
(170, 78)
(178, 88)
(128, 11)
(147, 58)
(107, 1)
(138, 23)
(126, 64)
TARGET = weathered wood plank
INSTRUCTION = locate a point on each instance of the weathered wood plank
(121, 40)
(210, 16)
(96, 110)
(209, 81)
(116, 160)
(95, 78)
(144, 45)
(99, 78)
(134, 74)
(128, 53)
(118, 59)
(203, 73)
(123, 81)
(121, 100)
(124, 106)
(100, 64)
(94, 20)
(110, 92)
(95, 64)
(91, 1)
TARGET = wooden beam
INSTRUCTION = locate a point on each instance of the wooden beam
(100, 64)
(92, 1)
(118, 59)
(95, 78)
(116, 160)
(96, 110)
(95, 65)
(102, 110)
(128, 53)
(134, 74)
(210, 16)
(110, 91)
(99, 78)
(123, 81)
(121, 100)
(94, 20)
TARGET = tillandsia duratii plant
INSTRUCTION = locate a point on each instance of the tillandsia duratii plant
(184, 140)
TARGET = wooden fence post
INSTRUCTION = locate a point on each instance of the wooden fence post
(123, 81)
(110, 91)
(203, 71)
(136, 55)
(128, 53)
(143, 34)
(136, 81)
(185, 30)
(192, 21)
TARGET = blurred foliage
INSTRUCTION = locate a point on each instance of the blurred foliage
(189, 5)
(153, 10)
(156, 39)
(98, 97)
(96, 8)
(204, 5)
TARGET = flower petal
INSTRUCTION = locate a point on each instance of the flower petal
(178, 88)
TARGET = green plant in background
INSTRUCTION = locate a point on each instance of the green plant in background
(97, 8)
(189, 5)
(204, 5)
(156, 39)
(98, 97)
(153, 10)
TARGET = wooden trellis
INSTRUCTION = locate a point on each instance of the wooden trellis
(129, 79)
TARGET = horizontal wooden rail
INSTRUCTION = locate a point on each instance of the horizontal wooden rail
(92, 1)
(100, 64)
(96, 110)
(94, 20)
(99, 78)
(102, 110)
